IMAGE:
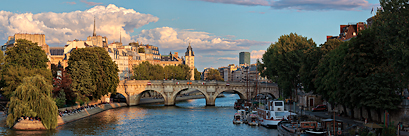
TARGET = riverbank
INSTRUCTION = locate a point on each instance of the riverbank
(37, 125)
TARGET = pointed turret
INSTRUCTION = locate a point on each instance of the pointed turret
(95, 33)
(190, 61)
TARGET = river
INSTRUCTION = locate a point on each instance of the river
(190, 117)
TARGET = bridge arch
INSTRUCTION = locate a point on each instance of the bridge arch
(175, 94)
(118, 97)
(139, 95)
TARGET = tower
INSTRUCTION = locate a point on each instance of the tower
(244, 58)
(190, 61)
(94, 33)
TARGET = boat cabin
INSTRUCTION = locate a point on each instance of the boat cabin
(237, 116)
(309, 124)
(329, 125)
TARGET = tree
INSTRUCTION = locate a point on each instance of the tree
(33, 98)
(391, 29)
(283, 61)
(309, 63)
(81, 85)
(62, 83)
(197, 74)
(26, 54)
(214, 74)
(368, 79)
(14, 75)
(22, 60)
(104, 71)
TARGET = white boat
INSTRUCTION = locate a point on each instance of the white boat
(237, 118)
(253, 120)
(272, 113)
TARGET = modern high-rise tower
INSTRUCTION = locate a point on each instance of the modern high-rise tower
(244, 58)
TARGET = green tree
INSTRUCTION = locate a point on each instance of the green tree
(26, 54)
(81, 85)
(147, 71)
(283, 61)
(309, 63)
(33, 98)
(391, 29)
(24, 59)
(214, 74)
(104, 71)
(368, 79)
(197, 74)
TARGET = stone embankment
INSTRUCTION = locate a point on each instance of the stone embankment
(37, 125)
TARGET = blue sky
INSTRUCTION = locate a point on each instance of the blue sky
(217, 29)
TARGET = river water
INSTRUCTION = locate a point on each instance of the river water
(190, 117)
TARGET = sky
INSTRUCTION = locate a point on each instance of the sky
(218, 30)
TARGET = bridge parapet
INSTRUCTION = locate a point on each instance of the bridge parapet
(169, 89)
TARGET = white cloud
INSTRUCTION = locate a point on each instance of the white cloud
(90, 3)
(257, 54)
(302, 4)
(174, 39)
(61, 27)
(228, 58)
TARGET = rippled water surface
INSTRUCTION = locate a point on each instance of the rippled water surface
(191, 117)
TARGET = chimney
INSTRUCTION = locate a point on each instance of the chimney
(176, 54)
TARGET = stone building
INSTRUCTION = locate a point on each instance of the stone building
(35, 38)
(190, 61)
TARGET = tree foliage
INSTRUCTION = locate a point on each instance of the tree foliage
(24, 59)
(148, 71)
(391, 29)
(81, 85)
(33, 98)
(26, 54)
(197, 74)
(214, 74)
(283, 61)
(309, 63)
(104, 71)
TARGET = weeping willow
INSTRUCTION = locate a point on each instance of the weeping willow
(33, 98)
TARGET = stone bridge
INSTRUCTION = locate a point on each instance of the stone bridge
(169, 89)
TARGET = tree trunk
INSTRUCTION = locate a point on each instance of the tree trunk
(345, 110)
(360, 113)
(379, 115)
(352, 112)
(369, 114)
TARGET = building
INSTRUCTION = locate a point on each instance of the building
(97, 40)
(349, 31)
(190, 61)
(125, 56)
(244, 58)
(205, 73)
(35, 38)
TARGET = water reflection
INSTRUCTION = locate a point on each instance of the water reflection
(190, 117)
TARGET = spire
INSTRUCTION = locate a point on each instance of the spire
(94, 34)
(120, 37)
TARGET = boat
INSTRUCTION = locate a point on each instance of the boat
(272, 113)
(243, 114)
(304, 128)
(253, 120)
(242, 104)
(237, 118)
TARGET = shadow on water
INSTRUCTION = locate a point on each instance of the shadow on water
(190, 117)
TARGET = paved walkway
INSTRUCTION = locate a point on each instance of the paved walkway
(328, 115)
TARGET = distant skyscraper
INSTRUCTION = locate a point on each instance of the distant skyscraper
(244, 58)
